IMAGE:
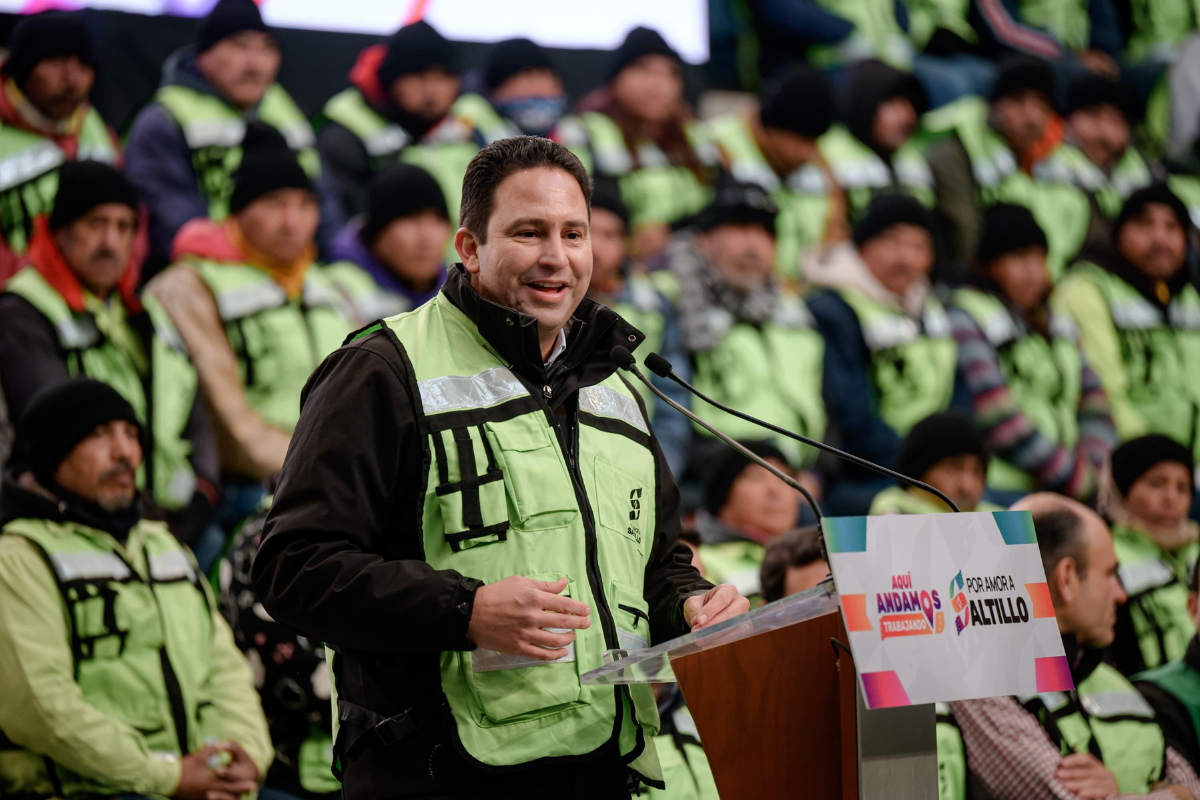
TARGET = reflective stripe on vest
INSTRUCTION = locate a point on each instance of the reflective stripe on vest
(1144, 576)
(1117, 704)
(490, 387)
(604, 402)
(171, 566)
(89, 565)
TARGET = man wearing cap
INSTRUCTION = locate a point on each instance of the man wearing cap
(389, 260)
(119, 676)
(253, 307)
(522, 92)
(399, 106)
(183, 147)
(752, 343)
(1138, 315)
(45, 121)
(73, 311)
(983, 152)
(771, 146)
(889, 353)
(1037, 403)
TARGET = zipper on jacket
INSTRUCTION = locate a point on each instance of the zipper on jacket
(175, 697)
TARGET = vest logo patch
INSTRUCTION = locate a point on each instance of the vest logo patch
(634, 531)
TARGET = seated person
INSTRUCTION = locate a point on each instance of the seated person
(889, 353)
(1156, 543)
(793, 563)
(388, 260)
(522, 93)
(118, 675)
(945, 451)
(1048, 745)
(1040, 408)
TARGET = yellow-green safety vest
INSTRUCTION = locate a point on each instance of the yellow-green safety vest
(863, 174)
(737, 562)
(951, 755)
(685, 767)
(1156, 582)
(365, 296)
(1182, 682)
(902, 500)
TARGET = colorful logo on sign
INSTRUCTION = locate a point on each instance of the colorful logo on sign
(959, 604)
(905, 611)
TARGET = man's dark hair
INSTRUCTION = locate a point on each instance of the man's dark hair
(797, 548)
(502, 158)
(1060, 535)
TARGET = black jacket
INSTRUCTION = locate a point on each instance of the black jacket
(342, 558)
(1176, 722)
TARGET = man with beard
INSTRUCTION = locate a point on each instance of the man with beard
(184, 147)
(119, 676)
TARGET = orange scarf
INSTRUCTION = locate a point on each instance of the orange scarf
(44, 256)
(288, 274)
(1051, 138)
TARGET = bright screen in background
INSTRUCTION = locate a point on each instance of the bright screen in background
(595, 24)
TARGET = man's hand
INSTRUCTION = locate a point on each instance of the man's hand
(716, 605)
(1085, 775)
(510, 616)
(1101, 63)
(199, 781)
(1180, 792)
(240, 766)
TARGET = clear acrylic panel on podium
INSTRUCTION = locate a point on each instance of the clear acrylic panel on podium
(653, 664)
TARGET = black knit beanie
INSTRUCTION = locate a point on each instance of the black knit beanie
(401, 190)
(415, 48)
(606, 194)
(268, 164)
(640, 42)
(83, 185)
(1007, 228)
(1136, 457)
(1154, 193)
(50, 34)
(1090, 90)
(887, 210)
(1020, 74)
(60, 416)
(936, 437)
(512, 56)
(729, 466)
(799, 101)
(736, 202)
(227, 18)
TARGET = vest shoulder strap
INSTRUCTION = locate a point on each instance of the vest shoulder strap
(74, 331)
(25, 156)
(379, 136)
(281, 112)
(240, 290)
(206, 120)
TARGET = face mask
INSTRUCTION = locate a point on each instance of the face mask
(535, 116)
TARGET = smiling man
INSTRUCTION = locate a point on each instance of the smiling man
(473, 510)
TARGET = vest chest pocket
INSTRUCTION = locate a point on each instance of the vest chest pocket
(471, 488)
(625, 502)
(540, 493)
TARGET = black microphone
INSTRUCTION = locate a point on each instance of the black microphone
(662, 368)
(624, 360)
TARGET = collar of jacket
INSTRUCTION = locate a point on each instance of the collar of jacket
(595, 331)
(1083, 660)
(1191, 656)
(23, 498)
(1106, 256)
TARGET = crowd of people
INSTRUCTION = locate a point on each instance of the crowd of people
(958, 240)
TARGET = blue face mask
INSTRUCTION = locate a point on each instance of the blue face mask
(536, 116)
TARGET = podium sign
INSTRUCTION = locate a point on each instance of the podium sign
(942, 607)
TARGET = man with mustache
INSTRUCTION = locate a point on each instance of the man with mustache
(183, 148)
(474, 509)
(45, 121)
(74, 311)
(119, 676)
(1138, 315)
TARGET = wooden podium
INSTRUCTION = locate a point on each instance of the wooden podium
(779, 710)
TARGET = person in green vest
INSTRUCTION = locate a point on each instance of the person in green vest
(475, 509)
(74, 311)
(1157, 545)
(256, 311)
(945, 451)
(119, 675)
(794, 563)
(889, 352)
(521, 93)
(745, 508)
(46, 120)
(1037, 403)
(183, 147)
(1101, 738)
(400, 106)
(982, 152)
(639, 130)
(620, 284)
(686, 771)
(770, 147)
(1138, 316)
(752, 343)
(389, 259)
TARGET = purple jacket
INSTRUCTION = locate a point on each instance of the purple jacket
(347, 245)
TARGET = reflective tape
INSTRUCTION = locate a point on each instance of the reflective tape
(458, 392)
(77, 333)
(605, 402)
(1116, 704)
(1136, 314)
(484, 660)
(91, 565)
(1142, 576)
(172, 566)
(631, 641)
(30, 163)
(1053, 700)
(242, 302)
(391, 139)
(889, 331)
(214, 133)
(1000, 328)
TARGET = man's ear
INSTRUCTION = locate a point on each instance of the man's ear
(468, 250)
(1064, 580)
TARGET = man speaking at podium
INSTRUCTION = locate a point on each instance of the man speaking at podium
(473, 509)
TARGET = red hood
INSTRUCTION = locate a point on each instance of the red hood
(203, 238)
(44, 256)
(365, 74)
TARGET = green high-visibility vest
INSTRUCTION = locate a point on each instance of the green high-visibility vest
(901, 500)
(1060, 209)
(862, 174)
(214, 130)
(737, 562)
(1065, 20)
(951, 756)
(912, 362)
(1159, 352)
(29, 165)
(140, 618)
(1068, 165)
(149, 368)
(877, 34)
(925, 17)
(1182, 682)
(278, 341)
(684, 764)
(801, 221)
(1158, 27)
(1107, 709)
(478, 112)
(645, 310)
(654, 190)
(1156, 582)
(365, 296)
(1043, 376)
(501, 498)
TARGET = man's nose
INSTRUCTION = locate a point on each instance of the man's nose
(553, 252)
